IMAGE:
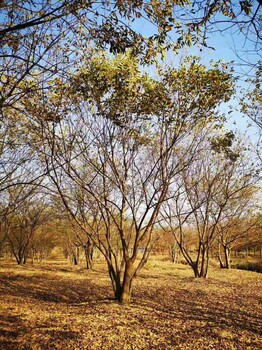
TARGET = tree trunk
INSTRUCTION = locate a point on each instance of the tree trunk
(127, 284)
(204, 262)
(19, 262)
(227, 257)
(74, 255)
(75, 261)
(226, 263)
(89, 262)
(115, 280)
(195, 269)
(89, 255)
(18, 257)
(204, 268)
(174, 253)
(221, 264)
(122, 290)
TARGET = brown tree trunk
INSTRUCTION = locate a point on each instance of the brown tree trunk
(75, 255)
(89, 255)
(195, 269)
(127, 284)
(122, 290)
(19, 262)
(89, 262)
(174, 253)
(19, 257)
(115, 280)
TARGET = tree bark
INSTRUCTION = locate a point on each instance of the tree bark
(89, 255)
(204, 262)
(227, 257)
(127, 284)
(122, 289)
(195, 269)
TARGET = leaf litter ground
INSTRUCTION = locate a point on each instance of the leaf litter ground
(56, 306)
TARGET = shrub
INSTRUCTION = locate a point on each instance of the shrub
(250, 266)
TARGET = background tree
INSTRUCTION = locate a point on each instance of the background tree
(238, 221)
(23, 224)
(46, 239)
(207, 188)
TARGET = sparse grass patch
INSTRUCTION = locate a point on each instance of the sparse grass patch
(57, 306)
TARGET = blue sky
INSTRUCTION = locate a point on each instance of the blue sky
(230, 45)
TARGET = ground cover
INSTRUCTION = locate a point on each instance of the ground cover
(56, 306)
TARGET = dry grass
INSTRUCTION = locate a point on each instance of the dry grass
(56, 306)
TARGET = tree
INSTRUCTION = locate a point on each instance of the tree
(121, 199)
(40, 40)
(23, 224)
(207, 188)
(238, 222)
(252, 240)
(115, 151)
(45, 240)
(19, 176)
(75, 242)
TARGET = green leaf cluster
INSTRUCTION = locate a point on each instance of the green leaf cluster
(118, 89)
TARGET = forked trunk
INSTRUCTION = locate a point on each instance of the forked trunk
(122, 287)
(195, 269)
(225, 264)
(200, 267)
(19, 258)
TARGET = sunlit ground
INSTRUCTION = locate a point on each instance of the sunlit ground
(56, 306)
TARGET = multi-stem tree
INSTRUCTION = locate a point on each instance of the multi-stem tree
(239, 222)
(211, 185)
(23, 223)
(115, 151)
(127, 184)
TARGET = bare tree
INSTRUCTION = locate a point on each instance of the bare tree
(239, 222)
(127, 185)
(209, 186)
(114, 156)
(23, 223)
